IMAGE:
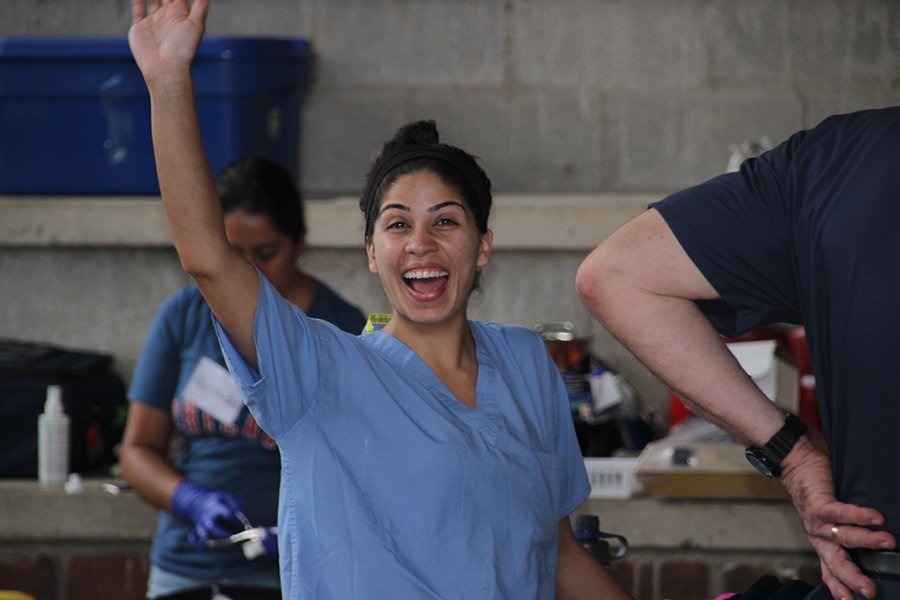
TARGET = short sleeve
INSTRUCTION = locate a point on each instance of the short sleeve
(737, 228)
(291, 360)
(155, 376)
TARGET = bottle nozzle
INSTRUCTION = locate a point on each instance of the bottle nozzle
(54, 404)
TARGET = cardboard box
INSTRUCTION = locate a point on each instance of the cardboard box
(703, 470)
(75, 112)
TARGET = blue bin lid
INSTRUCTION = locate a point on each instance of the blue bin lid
(80, 48)
(80, 66)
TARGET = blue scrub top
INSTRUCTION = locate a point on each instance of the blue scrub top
(393, 488)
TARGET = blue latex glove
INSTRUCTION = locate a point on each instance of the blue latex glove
(214, 514)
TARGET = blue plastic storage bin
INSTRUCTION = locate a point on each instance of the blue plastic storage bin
(75, 112)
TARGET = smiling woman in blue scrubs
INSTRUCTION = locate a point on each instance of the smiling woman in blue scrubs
(433, 458)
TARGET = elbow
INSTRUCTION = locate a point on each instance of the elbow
(205, 269)
(595, 278)
(129, 457)
(194, 268)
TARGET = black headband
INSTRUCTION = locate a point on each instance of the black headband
(458, 159)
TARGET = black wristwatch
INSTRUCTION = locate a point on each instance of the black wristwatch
(767, 460)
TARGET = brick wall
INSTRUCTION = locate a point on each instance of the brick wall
(94, 573)
(88, 574)
(695, 575)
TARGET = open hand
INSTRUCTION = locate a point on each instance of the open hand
(807, 478)
(165, 34)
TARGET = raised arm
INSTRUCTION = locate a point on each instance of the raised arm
(164, 38)
(642, 285)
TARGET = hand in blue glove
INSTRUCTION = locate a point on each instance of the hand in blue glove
(214, 514)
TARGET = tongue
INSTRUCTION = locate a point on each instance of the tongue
(426, 286)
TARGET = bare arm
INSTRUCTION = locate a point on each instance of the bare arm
(580, 576)
(641, 284)
(164, 40)
(143, 458)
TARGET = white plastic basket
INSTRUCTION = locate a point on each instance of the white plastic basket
(612, 477)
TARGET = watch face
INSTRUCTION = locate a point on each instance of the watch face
(759, 462)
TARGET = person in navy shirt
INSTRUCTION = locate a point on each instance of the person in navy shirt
(806, 233)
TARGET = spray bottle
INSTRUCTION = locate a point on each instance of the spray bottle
(53, 440)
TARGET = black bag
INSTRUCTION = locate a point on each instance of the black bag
(93, 395)
(769, 587)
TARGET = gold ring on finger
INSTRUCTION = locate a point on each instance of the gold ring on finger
(836, 535)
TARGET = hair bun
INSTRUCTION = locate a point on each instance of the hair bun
(418, 132)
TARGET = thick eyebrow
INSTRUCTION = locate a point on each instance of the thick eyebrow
(441, 205)
(431, 209)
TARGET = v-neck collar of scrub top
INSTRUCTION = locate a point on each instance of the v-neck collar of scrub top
(481, 418)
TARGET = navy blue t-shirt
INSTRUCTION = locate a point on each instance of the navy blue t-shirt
(810, 233)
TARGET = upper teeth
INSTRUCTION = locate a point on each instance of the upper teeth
(424, 274)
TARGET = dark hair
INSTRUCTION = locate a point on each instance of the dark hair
(416, 147)
(260, 186)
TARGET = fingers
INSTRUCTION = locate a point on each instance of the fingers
(839, 572)
(831, 539)
(841, 513)
(838, 590)
(137, 11)
(843, 577)
(199, 9)
(853, 536)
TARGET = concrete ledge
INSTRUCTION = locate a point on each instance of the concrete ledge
(520, 221)
(34, 515)
(714, 525)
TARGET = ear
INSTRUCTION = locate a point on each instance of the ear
(485, 247)
(370, 252)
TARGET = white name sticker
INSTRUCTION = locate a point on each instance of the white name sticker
(212, 389)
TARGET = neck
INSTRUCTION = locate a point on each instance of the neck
(441, 346)
(448, 350)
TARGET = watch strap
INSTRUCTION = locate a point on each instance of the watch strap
(780, 444)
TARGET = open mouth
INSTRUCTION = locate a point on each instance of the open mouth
(426, 281)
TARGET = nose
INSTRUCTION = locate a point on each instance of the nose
(420, 241)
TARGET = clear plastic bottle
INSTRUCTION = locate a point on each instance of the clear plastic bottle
(53, 440)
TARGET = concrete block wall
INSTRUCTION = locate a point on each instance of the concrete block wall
(568, 95)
